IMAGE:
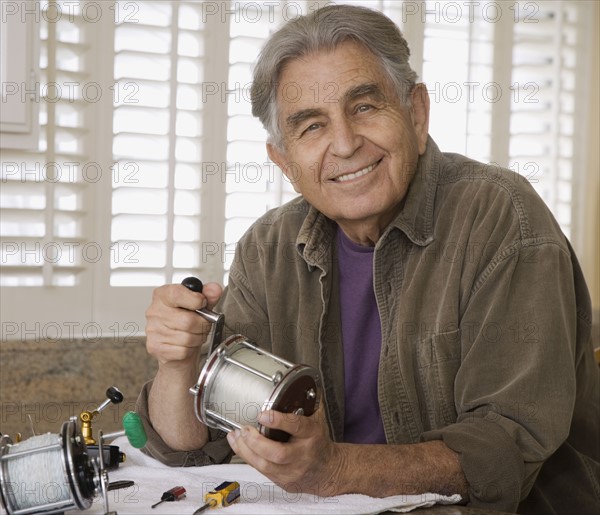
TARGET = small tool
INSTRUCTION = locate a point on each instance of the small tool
(174, 494)
(225, 494)
(116, 485)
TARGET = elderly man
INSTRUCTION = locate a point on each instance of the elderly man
(437, 296)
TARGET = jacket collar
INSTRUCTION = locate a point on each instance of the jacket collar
(416, 217)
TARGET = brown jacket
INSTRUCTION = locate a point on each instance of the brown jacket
(485, 320)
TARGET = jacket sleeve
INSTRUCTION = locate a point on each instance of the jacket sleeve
(216, 451)
(515, 388)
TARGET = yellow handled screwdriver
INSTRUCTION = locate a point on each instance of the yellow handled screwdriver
(225, 494)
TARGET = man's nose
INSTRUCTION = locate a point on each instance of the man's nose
(345, 139)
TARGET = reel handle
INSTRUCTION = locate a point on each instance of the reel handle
(218, 319)
(113, 395)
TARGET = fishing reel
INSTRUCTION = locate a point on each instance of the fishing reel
(240, 380)
(54, 473)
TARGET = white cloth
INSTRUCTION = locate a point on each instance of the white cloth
(259, 495)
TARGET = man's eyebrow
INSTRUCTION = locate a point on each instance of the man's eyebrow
(295, 119)
(364, 90)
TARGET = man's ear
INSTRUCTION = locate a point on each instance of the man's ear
(420, 108)
(280, 159)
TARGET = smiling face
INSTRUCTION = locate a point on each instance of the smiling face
(349, 146)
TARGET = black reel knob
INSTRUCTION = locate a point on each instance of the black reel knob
(193, 283)
(114, 394)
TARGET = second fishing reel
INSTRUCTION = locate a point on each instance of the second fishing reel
(54, 473)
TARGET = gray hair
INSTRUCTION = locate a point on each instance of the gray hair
(324, 30)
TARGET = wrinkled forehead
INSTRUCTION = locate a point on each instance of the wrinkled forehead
(325, 76)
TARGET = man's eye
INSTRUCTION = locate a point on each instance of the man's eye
(363, 108)
(312, 127)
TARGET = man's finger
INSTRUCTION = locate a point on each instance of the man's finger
(256, 449)
(165, 318)
(296, 425)
(178, 296)
(212, 292)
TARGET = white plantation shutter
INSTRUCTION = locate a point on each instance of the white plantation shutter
(160, 139)
(157, 177)
(549, 110)
(253, 183)
(458, 69)
(44, 192)
(47, 195)
(508, 82)
(168, 138)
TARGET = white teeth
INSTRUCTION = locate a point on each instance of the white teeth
(350, 176)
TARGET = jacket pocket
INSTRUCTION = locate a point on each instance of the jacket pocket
(438, 361)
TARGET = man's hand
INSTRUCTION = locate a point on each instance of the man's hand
(174, 336)
(174, 332)
(309, 462)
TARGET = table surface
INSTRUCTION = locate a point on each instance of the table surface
(455, 510)
(258, 493)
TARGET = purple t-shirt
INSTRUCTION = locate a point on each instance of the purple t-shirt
(361, 337)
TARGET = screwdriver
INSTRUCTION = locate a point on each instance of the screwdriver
(223, 495)
(174, 494)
